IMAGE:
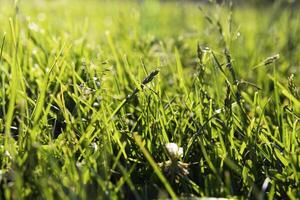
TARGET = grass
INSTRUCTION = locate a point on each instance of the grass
(92, 91)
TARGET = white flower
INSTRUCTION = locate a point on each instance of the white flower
(174, 151)
(34, 27)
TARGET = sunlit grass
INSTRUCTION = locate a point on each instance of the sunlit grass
(91, 93)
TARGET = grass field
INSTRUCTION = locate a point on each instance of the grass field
(147, 100)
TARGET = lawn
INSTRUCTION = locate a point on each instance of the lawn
(149, 100)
